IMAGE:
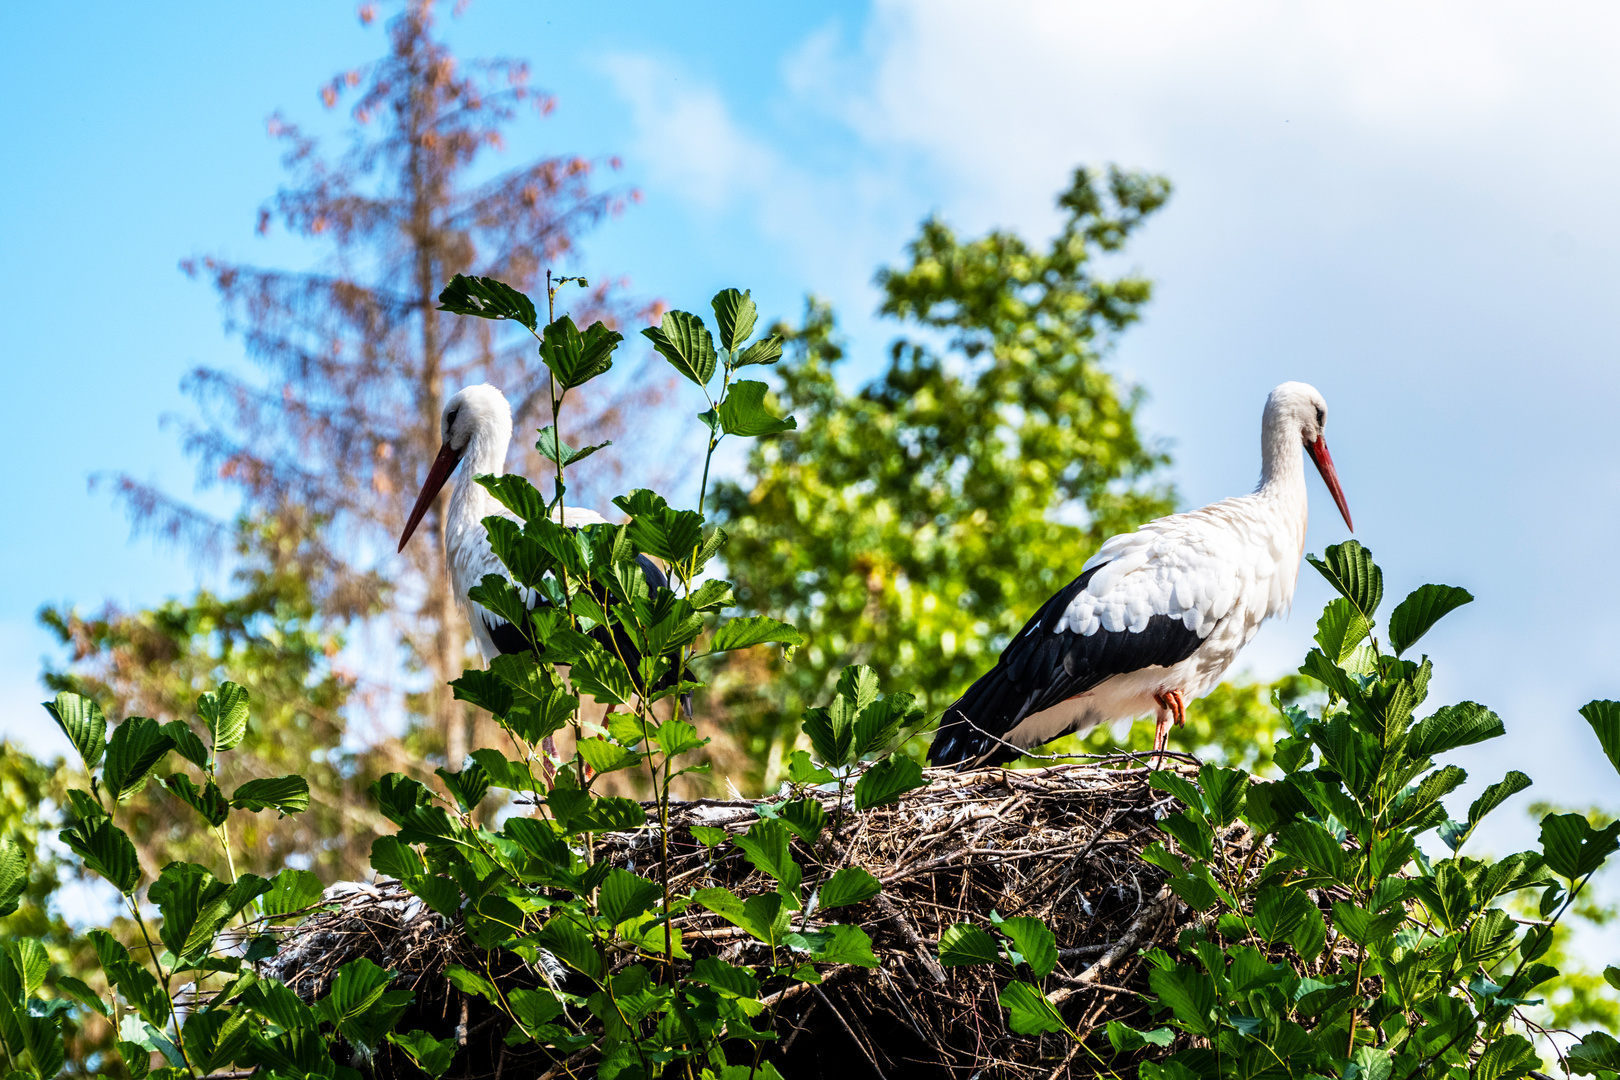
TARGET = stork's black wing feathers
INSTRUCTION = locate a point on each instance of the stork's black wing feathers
(1042, 667)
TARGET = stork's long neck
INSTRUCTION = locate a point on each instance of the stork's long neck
(485, 453)
(1282, 505)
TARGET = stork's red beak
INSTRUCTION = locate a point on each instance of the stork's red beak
(443, 466)
(1330, 476)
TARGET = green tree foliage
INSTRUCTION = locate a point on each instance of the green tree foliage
(915, 524)
(269, 636)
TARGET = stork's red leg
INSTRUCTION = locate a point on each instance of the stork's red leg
(1172, 709)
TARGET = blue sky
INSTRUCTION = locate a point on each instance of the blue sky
(1411, 209)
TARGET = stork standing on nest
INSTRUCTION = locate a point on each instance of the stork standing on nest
(1156, 616)
(476, 428)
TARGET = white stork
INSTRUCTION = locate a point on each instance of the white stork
(1156, 616)
(476, 428)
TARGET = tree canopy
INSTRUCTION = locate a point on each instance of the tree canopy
(915, 523)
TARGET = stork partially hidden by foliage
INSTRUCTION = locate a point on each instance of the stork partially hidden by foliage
(1156, 616)
(476, 428)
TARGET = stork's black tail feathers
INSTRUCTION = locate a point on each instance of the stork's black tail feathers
(969, 732)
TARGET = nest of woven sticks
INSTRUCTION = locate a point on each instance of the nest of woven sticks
(1061, 843)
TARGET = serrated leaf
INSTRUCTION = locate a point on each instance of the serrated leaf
(13, 874)
(186, 743)
(83, 722)
(32, 963)
(766, 845)
(1034, 941)
(432, 1056)
(1597, 1051)
(1190, 995)
(359, 1003)
(288, 794)
(1495, 795)
(576, 358)
(806, 817)
(1452, 726)
(487, 298)
(849, 885)
(684, 341)
(1572, 847)
(136, 747)
(1029, 1012)
(964, 943)
(1125, 1039)
(1604, 717)
(767, 350)
(886, 781)
(1415, 615)
(764, 915)
(743, 412)
(80, 992)
(835, 944)
(1349, 568)
(560, 453)
(225, 712)
(754, 630)
(207, 800)
(106, 849)
(735, 315)
(606, 757)
(624, 895)
(292, 891)
(1340, 629)
(736, 981)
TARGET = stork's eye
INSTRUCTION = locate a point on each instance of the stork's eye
(1321, 415)
(450, 421)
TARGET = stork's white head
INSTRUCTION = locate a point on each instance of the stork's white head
(479, 409)
(1296, 414)
(476, 419)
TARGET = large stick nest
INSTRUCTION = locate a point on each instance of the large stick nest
(1061, 843)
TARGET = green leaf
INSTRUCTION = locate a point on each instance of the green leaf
(765, 916)
(186, 743)
(472, 983)
(560, 453)
(709, 836)
(712, 595)
(736, 981)
(801, 770)
(1029, 1012)
(1034, 941)
(1611, 975)
(964, 943)
(1340, 629)
(1604, 716)
(743, 412)
(207, 800)
(606, 757)
(1287, 915)
(1314, 846)
(468, 787)
(134, 750)
(754, 630)
(575, 358)
(684, 341)
(735, 314)
(501, 772)
(1415, 615)
(1452, 726)
(766, 845)
(432, 1056)
(611, 814)
(359, 1003)
(1224, 791)
(625, 895)
(850, 885)
(1495, 795)
(487, 299)
(32, 962)
(1510, 1056)
(107, 850)
(1363, 927)
(1572, 847)
(766, 350)
(1350, 569)
(1125, 1039)
(516, 494)
(532, 1008)
(1190, 995)
(80, 992)
(806, 817)
(226, 713)
(293, 891)
(83, 722)
(835, 944)
(1597, 1051)
(13, 874)
(880, 721)
(886, 781)
(214, 1037)
(288, 794)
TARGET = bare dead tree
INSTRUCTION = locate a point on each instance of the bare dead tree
(356, 361)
